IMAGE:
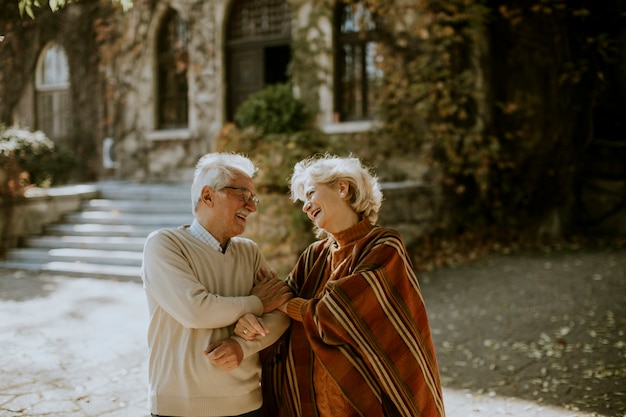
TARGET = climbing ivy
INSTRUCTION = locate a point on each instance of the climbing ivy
(29, 7)
(498, 97)
(309, 43)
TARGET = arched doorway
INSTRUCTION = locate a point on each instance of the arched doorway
(258, 50)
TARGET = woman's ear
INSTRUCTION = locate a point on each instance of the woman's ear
(344, 188)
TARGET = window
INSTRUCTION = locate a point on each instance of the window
(52, 93)
(172, 62)
(358, 76)
(257, 48)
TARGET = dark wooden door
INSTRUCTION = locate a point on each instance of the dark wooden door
(245, 76)
(257, 40)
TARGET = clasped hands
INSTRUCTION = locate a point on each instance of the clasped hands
(273, 293)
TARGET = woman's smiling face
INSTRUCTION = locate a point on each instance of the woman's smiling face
(327, 206)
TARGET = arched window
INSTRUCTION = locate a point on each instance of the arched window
(358, 76)
(172, 62)
(52, 93)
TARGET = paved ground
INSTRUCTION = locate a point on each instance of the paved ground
(524, 335)
(544, 327)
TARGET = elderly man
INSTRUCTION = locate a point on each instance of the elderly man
(199, 280)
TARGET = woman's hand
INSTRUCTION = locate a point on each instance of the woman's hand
(249, 327)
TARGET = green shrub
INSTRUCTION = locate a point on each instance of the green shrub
(276, 154)
(274, 109)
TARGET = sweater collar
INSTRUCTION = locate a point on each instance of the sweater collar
(353, 233)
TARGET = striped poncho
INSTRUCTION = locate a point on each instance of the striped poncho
(360, 313)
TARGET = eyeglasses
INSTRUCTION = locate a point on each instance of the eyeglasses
(246, 195)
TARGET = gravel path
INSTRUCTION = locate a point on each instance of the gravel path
(544, 327)
(523, 335)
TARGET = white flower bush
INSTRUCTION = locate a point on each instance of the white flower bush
(31, 159)
(15, 140)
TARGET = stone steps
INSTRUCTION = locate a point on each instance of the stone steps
(98, 230)
(105, 238)
(86, 242)
(96, 256)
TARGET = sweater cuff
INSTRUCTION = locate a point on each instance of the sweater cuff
(257, 306)
(294, 308)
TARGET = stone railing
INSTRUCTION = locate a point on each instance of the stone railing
(28, 215)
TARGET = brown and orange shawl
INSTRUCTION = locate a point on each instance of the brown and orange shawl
(364, 318)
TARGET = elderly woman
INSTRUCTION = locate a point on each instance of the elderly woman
(360, 342)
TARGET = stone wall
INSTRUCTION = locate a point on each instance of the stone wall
(145, 152)
(414, 209)
(283, 231)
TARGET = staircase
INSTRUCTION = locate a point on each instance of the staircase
(106, 238)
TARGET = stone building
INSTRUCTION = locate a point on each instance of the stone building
(169, 74)
(188, 66)
(141, 94)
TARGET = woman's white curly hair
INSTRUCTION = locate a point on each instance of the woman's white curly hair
(364, 189)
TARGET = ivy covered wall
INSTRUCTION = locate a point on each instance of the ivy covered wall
(507, 102)
(75, 28)
(512, 107)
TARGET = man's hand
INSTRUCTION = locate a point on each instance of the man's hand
(249, 327)
(272, 291)
(226, 354)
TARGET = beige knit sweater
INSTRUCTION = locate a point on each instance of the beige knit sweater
(195, 296)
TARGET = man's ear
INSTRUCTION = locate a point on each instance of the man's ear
(207, 195)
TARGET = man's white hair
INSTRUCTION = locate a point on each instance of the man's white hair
(217, 170)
